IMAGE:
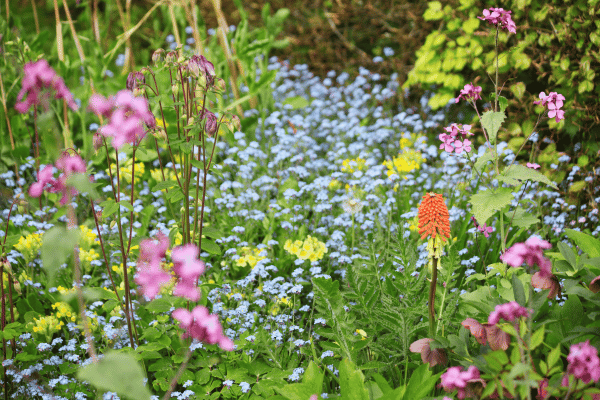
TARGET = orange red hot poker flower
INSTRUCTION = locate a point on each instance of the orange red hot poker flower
(433, 217)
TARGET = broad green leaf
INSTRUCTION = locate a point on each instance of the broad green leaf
(492, 121)
(553, 357)
(212, 232)
(537, 338)
(588, 244)
(486, 203)
(109, 207)
(164, 185)
(518, 290)
(568, 253)
(522, 218)
(522, 173)
(481, 161)
(421, 383)
(117, 372)
(82, 183)
(433, 12)
(352, 386)
(58, 243)
(159, 305)
(210, 246)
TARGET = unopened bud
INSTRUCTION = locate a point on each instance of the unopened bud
(219, 85)
(157, 57)
(135, 80)
(160, 133)
(175, 89)
(235, 123)
(171, 57)
(112, 224)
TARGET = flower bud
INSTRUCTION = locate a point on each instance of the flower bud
(98, 141)
(219, 85)
(210, 126)
(171, 57)
(135, 80)
(175, 89)
(112, 224)
(157, 57)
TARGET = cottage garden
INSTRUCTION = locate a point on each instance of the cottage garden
(324, 246)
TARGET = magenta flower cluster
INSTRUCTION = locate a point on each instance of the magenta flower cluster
(530, 252)
(68, 164)
(199, 323)
(469, 93)
(456, 379)
(583, 362)
(499, 17)
(37, 77)
(451, 141)
(126, 114)
(553, 102)
(486, 230)
(507, 311)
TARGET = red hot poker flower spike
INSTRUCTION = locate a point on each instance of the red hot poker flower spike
(433, 217)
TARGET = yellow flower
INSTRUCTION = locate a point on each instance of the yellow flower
(29, 246)
(334, 185)
(88, 237)
(404, 163)
(47, 325)
(352, 165)
(125, 170)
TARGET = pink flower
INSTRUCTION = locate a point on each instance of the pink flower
(553, 102)
(456, 379)
(531, 253)
(533, 165)
(583, 362)
(469, 93)
(150, 274)
(541, 281)
(45, 177)
(36, 77)
(127, 115)
(451, 142)
(499, 17)
(432, 357)
(188, 268)
(202, 326)
(507, 311)
(70, 163)
(486, 230)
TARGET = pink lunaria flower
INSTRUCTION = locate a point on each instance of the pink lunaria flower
(126, 113)
(546, 282)
(533, 165)
(456, 379)
(507, 311)
(531, 253)
(583, 362)
(188, 268)
(150, 274)
(428, 356)
(499, 17)
(553, 102)
(37, 76)
(202, 326)
(469, 92)
(451, 142)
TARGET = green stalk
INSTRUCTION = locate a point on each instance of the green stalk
(432, 287)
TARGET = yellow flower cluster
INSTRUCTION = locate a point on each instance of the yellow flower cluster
(280, 302)
(86, 258)
(29, 246)
(47, 325)
(125, 170)
(157, 175)
(63, 310)
(64, 290)
(405, 162)
(88, 237)
(352, 165)
(334, 185)
(311, 249)
(250, 257)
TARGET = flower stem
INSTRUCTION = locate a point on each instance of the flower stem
(432, 287)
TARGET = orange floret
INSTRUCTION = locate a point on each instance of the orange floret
(433, 217)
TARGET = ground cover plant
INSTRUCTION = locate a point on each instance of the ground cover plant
(156, 244)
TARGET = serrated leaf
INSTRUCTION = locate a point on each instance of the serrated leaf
(553, 357)
(522, 218)
(486, 202)
(537, 338)
(117, 372)
(522, 173)
(518, 290)
(210, 246)
(491, 122)
(481, 161)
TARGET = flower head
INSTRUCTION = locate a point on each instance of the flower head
(531, 253)
(533, 165)
(463, 381)
(432, 357)
(583, 362)
(151, 276)
(469, 93)
(499, 17)
(507, 311)
(188, 268)
(202, 326)
(38, 76)
(553, 102)
(434, 218)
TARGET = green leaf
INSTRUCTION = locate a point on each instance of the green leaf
(296, 102)
(164, 185)
(352, 386)
(481, 161)
(486, 202)
(109, 207)
(577, 186)
(492, 121)
(518, 290)
(210, 246)
(117, 372)
(159, 305)
(433, 12)
(537, 338)
(522, 218)
(421, 383)
(212, 232)
(568, 253)
(522, 173)
(588, 244)
(58, 243)
(82, 183)
(553, 357)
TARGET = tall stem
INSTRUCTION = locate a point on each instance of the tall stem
(432, 287)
